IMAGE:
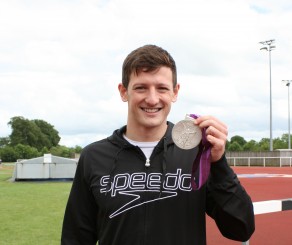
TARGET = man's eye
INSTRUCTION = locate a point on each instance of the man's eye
(163, 89)
(139, 88)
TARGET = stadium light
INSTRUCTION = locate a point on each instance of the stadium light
(268, 47)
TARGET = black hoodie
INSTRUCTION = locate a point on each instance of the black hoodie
(116, 200)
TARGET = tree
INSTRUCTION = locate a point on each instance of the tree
(240, 140)
(35, 133)
(264, 144)
(235, 146)
(283, 142)
(26, 152)
(4, 141)
(280, 143)
(227, 145)
(23, 132)
(8, 154)
(49, 132)
(45, 150)
(78, 149)
(251, 145)
(62, 151)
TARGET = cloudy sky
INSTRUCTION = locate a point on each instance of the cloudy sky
(60, 61)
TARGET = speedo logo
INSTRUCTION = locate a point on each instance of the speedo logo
(136, 184)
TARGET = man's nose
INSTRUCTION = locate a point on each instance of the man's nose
(152, 97)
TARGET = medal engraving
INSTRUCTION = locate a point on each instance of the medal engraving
(186, 135)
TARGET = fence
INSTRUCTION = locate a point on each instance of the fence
(270, 207)
(264, 159)
(259, 161)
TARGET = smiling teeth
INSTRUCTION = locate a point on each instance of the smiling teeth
(150, 110)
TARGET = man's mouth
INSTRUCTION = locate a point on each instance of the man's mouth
(151, 110)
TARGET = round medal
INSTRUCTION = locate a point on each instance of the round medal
(186, 135)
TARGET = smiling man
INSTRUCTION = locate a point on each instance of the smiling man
(149, 96)
(135, 187)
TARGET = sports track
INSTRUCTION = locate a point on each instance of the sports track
(262, 184)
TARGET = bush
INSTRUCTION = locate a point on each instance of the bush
(62, 151)
(20, 151)
(26, 152)
(8, 154)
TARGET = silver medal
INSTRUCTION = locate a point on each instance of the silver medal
(185, 134)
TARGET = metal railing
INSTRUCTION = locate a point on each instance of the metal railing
(260, 161)
(271, 206)
(265, 206)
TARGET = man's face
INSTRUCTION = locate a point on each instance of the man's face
(149, 96)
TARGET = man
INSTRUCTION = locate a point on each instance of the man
(134, 187)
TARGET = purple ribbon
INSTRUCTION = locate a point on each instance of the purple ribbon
(202, 163)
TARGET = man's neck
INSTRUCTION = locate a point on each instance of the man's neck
(145, 134)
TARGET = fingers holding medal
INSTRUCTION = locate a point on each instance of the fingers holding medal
(214, 127)
(216, 134)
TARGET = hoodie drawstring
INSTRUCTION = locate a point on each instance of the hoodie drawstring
(163, 165)
(114, 168)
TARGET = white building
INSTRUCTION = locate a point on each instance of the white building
(47, 167)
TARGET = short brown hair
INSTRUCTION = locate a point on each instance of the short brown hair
(147, 58)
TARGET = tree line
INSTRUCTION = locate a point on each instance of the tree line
(34, 138)
(238, 143)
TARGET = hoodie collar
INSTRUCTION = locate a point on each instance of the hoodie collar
(117, 137)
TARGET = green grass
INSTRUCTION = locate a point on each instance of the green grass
(31, 212)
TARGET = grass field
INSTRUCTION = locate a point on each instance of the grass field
(31, 212)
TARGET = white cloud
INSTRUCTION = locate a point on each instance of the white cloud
(60, 61)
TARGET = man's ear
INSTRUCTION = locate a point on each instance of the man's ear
(175, 92)
(123, 92)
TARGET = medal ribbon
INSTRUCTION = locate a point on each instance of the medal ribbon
(202, 164)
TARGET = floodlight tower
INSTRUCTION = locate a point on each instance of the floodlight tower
(269, 47)
(287, 83)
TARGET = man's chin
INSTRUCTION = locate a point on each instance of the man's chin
(154, 123)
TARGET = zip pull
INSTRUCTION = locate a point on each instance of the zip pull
(147, 164)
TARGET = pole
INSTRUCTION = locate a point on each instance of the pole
(289, 140)
(289, 137)
(271, 121)
(267, 46)
(287, 83)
